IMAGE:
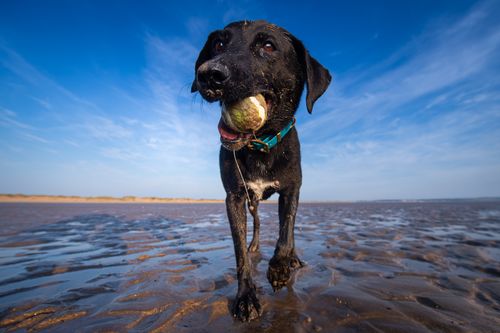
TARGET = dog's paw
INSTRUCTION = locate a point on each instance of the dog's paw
(247, 306)
(281, 269)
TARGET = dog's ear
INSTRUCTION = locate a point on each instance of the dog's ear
(204, 55)
(194, 88)
(317, 77)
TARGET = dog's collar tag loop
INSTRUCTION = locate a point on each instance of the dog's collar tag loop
(266, 143)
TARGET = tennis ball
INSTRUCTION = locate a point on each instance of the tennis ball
(247, 115)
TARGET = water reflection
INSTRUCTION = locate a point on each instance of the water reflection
(400, 267)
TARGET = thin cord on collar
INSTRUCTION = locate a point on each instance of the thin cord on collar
(249, 202)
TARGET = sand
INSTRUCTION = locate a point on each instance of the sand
(80, 199)
(371, 267)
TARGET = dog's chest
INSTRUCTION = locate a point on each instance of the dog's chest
(260, 169)
(259, 186)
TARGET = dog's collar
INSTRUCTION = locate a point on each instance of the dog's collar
(267, 142)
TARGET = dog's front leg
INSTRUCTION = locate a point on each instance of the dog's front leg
(246, 306)
(285, 260)
(254, 244)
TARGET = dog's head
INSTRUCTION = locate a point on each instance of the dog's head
(248, 58)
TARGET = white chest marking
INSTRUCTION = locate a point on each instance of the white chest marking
(259, 186)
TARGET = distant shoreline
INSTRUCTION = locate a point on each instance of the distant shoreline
(21, 198)
(24, 198)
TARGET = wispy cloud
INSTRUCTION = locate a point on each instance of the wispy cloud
(35, 138)
(170, 58)
(164, 132)
(15, 63)
(8, 119)
(433, 109)
(197, 27)
(104, 128)
(44, 103)
(121, 154)
(424, 122)
(436, 61)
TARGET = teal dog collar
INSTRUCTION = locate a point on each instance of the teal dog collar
(267, 142)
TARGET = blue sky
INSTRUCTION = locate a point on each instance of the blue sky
(95, 98)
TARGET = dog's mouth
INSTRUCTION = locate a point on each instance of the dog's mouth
(228, 134)
(232, 138)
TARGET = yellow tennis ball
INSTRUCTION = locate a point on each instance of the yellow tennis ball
(247, 115)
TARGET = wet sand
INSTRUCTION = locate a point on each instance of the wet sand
(371, 267)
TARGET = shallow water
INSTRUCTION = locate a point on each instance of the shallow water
(371, 267)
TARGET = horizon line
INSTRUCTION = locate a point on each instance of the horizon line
(45, 198)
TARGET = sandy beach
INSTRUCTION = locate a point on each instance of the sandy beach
(103, 199)
(371, 267)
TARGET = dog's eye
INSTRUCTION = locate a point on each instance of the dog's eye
(268, 47)
(219, 46)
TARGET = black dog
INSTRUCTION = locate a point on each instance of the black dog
(245, 59)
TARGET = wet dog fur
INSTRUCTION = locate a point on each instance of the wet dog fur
(244, 59)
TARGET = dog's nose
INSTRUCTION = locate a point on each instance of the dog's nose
(212, 75)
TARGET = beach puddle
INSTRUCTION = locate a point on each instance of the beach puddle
(371, 267)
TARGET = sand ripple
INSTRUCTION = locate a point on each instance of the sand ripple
(371, 267)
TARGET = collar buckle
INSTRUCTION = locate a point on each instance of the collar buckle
(259, 145)
(264, 144)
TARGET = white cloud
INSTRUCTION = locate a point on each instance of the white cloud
(424, 123)
(121, 154)
(446, 143)
(170, 58)
(35, 138)
(43, 103)
(197, 27)
(8, 119)
(104, 128)
(436, 61)
(31, 75)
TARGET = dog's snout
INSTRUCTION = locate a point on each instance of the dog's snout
(213, 75)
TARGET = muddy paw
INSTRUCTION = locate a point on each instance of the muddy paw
(247, 306)
(281, 269)
(296, 263)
